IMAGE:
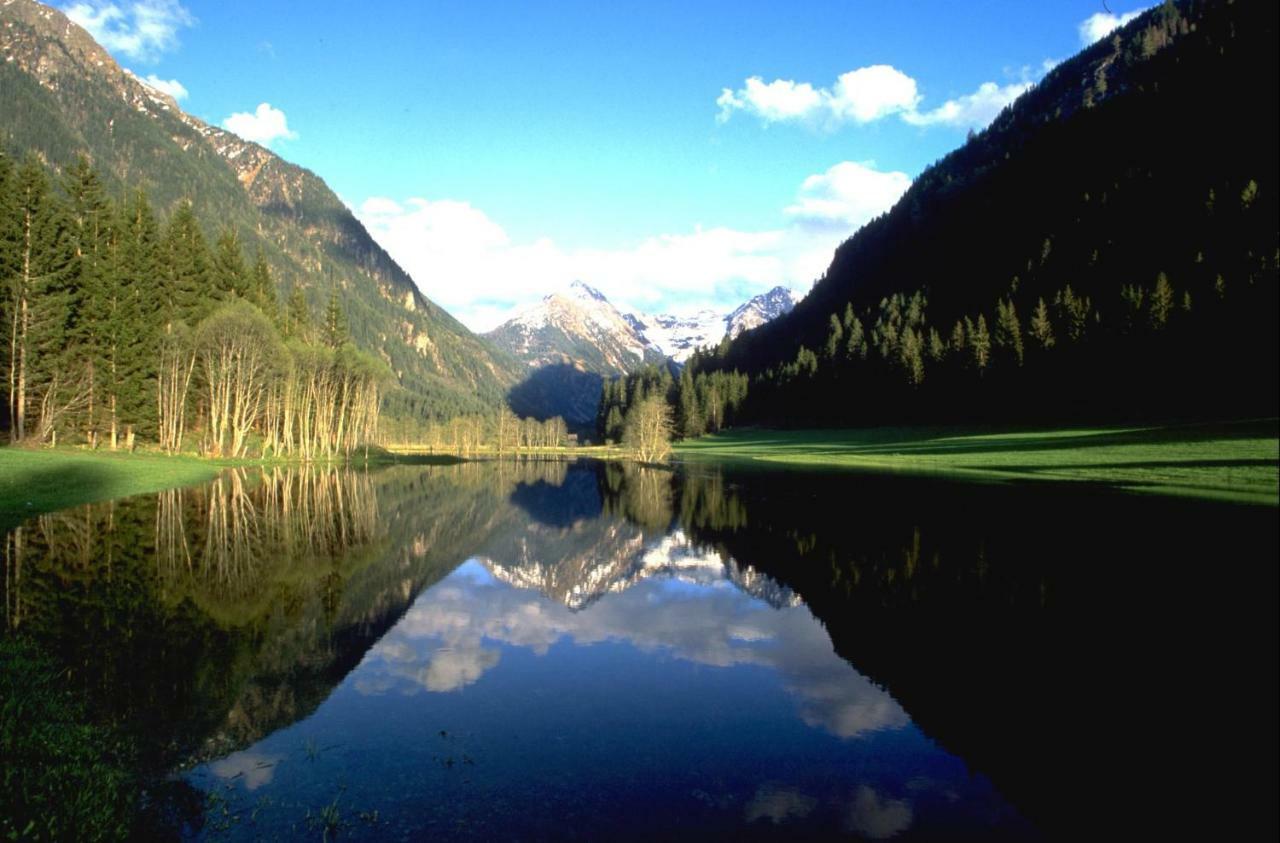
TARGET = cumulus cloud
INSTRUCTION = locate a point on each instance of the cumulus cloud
(973, 111)
(780, 99)
(870, 93)
(465, 260)
(172, 87)
(862, 96)
(142, 30)
(847, 195)
(1101, 24)
(264, 125)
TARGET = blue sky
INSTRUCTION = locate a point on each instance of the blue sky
(676, 155)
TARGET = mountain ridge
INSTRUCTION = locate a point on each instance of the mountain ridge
(573, 339)
(62, 95)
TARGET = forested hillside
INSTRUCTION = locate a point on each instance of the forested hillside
(62, 95)
(121, 328)
(1106, 248)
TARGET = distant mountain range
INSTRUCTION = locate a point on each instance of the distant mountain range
(574, 338)
(579, 324)
(63, 95)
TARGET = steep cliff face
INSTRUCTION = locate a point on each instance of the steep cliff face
(61, 95)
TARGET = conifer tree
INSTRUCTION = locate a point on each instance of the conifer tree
(335, 321)
(90, 218)
(229, 272)
(298, 315)
(131, 311)
(835, 333)
(937, 348)
(959, 340)
(9, 273)
(187, 287)
(980, 344)
(910, 357)
(39, 303)
(1041, 327)
(1161, 302)
(690, 420)
(1008, 334)
(855, 343)
(262, 288)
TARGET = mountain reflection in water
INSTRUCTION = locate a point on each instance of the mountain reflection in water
(551, 650)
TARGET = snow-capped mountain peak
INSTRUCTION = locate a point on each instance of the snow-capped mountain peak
(759, 310)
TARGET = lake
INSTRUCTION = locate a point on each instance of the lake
(580, 650)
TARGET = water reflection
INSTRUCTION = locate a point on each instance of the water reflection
(484, 650)
(686, 608)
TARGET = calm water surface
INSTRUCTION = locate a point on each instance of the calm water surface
(589, 651)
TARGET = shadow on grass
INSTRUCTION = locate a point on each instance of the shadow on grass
(951, 441)
(1131, 466)
(38, 491)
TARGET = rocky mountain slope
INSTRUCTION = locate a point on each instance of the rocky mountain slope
(62, 95)
(581, 326)
(678, 337)
(573, 339)
(577, 325)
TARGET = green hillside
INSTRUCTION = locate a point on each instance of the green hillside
(61, 95)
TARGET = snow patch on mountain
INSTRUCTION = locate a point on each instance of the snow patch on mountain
(580, 325)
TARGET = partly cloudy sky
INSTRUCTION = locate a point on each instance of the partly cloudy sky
(673, 155)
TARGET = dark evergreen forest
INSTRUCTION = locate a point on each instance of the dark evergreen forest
(1106, 249)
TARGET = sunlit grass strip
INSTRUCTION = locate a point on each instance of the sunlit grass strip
(1237, 461)
(37, 481)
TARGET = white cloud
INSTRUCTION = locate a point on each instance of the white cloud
(870, 93)
(861, 95)
(465, 260)
(172, 87)
(864, 96)
(264, 125)
(975, 110)
(1101, 24)
(780, 99)
(141, 30)
(847, 196)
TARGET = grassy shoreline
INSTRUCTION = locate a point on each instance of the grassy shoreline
(1234, 461)
(35, 481)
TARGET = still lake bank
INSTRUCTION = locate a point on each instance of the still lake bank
(35, 481)
(1235, 461)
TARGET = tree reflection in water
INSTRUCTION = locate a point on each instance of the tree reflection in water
(1027, 642)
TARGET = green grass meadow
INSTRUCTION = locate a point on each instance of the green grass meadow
(1236, 461)
(35, 481)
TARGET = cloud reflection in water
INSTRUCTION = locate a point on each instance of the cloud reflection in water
(440, 644)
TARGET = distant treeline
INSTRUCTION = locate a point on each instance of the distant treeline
(500, 432)
(120, 328)
(1106, 249)
(699, 403)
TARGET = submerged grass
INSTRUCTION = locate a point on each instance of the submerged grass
(63, 777)
(1237, 461)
